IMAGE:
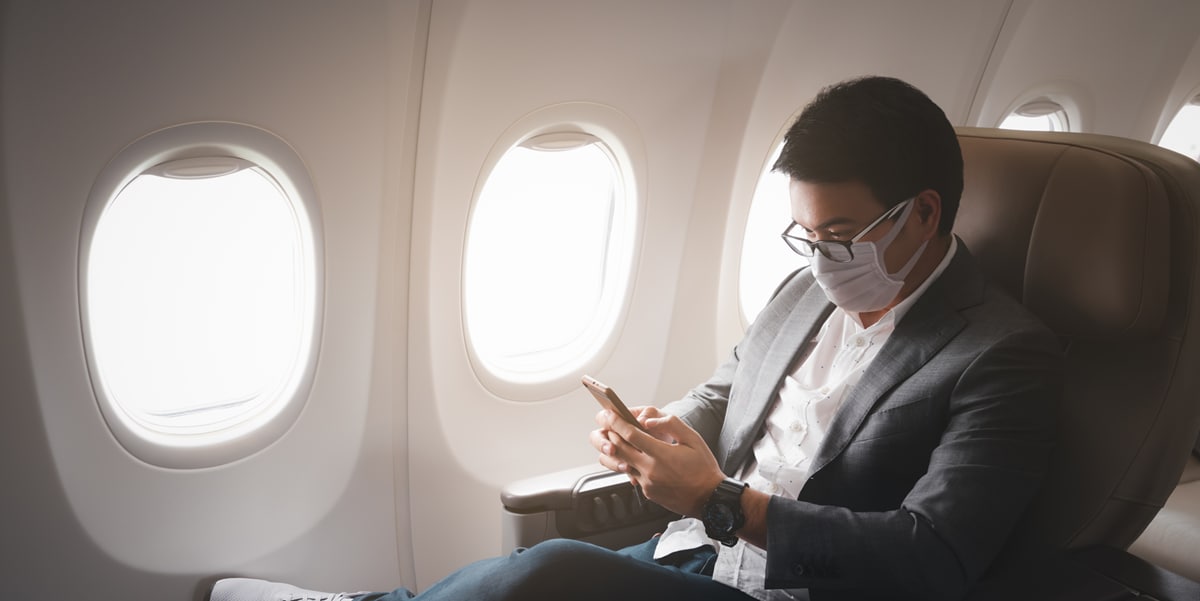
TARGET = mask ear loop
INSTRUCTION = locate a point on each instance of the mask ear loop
(887, 239)
(903, 273)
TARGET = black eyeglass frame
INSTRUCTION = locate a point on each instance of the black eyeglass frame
(833, 249)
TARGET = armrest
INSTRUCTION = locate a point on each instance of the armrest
(600, 507)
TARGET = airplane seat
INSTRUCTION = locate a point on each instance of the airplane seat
(1098, 236)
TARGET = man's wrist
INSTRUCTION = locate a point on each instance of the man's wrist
(722, 512)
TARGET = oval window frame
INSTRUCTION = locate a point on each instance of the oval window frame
(1040, 99)
(621, 138)
(1054, 113)
(280, 162)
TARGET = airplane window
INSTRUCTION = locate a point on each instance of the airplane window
(1183, 134)
(199, 300)
(766, 259)
(548, 256)
(1038, 115)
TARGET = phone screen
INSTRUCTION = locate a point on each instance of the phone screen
(607, 397)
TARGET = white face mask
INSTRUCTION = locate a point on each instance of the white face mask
(863, 284)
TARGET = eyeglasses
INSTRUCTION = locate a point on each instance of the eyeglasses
(837, 251)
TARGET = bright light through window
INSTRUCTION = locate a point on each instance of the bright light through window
(766, 259)
(200, 297)
(1183, 134)
(547, 259)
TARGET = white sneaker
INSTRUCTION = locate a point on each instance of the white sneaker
(249, 589)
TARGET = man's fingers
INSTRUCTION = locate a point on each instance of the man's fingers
(646, 411)
(633, 435)
(599, 440)
(611, 462)
(618, 464)
(618, 454)
(671, 429)
(603, 418)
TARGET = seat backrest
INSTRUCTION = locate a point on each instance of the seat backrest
(1098, 236)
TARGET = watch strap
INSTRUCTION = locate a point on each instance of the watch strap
(723, 515)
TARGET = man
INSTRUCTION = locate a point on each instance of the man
(878, 431)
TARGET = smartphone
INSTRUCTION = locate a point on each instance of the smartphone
(608, 398)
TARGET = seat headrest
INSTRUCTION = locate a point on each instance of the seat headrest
(1070, 225)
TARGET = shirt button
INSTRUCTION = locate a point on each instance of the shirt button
(860, 342)
(797, 426)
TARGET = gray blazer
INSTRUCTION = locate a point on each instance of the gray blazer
(930, 461)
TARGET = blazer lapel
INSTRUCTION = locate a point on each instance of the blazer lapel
(795, 334)
(921, 333)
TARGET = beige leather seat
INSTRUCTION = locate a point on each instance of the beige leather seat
(1098, 236)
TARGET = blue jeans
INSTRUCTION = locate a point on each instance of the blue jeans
(570, 570)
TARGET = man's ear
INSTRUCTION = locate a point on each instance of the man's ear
(928, 207)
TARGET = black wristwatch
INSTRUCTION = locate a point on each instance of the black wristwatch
(722, 514)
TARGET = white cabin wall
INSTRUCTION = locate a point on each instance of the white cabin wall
(693, 348)
(1111, 63)
(83, 79)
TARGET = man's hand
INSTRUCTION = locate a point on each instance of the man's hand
(672, 464)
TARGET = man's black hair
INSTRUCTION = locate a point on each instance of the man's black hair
(882, 132)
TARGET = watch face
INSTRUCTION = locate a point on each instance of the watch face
(719, 516)
(723, 512)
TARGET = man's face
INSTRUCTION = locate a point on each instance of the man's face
(840, 211)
